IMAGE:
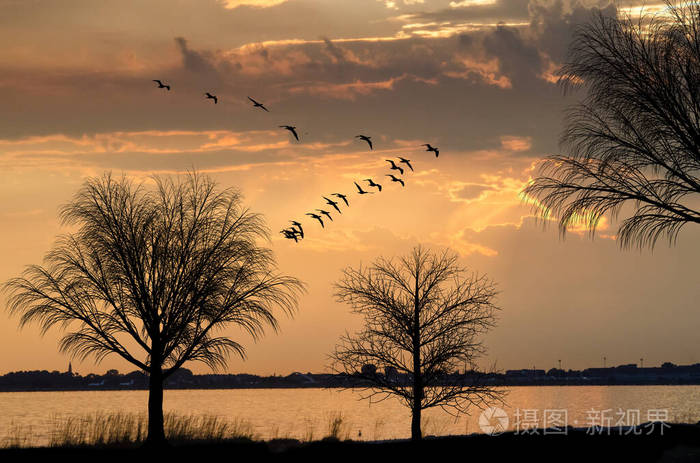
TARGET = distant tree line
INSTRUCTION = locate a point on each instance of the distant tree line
(667, 373)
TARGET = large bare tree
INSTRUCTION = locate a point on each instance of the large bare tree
(423, 315)
(153, 275)
(633, 144)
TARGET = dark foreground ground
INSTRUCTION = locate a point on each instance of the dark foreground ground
(679, 443)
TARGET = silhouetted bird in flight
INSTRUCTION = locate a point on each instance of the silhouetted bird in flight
(317, 217)
(292, 129)
(371, 183)
(293, 235)
(298, 225)
(333, 203)
(430, 148)
(394, 166)
(161, 84)
(258, 105)
(365, 138)
(343, 197)
(290, 234)
(325, 213)
(361, 191)
(407, 162)
(394, 179)
(212, 97)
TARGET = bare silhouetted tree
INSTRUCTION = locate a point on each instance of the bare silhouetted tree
(635, 138)
(423, 315)
(154, 275)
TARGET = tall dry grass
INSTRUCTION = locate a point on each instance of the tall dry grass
(17, 436)
(125, 429)
(131, 429)
(309, 427)
(338, 427)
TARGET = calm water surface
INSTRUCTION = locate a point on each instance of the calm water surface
(301, 412)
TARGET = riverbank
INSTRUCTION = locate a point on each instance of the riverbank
(672, 443)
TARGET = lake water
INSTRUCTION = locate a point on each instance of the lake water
(301, 412)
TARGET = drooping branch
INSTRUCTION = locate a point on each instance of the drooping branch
(634, 140)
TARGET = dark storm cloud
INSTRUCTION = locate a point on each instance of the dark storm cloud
(208, 20)
(523, 53)
(463, 91)
(192, 60)
(518, 59)
(334, 50)
(553, 24)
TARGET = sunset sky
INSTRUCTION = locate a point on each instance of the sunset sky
(475, 78)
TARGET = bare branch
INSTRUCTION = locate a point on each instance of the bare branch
(166, 268)
(423, 315)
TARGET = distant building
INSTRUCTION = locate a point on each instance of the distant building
(369, 369)
(301, 378)
(525, 372)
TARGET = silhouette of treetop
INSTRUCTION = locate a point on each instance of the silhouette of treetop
(154, 275)
(634, 140)
(423, 316)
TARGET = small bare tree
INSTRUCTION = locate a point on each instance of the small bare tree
(153, 275)
(635, 138)
(422, 319)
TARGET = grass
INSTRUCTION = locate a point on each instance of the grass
(116, 437)
(676, 443)
(338, 427)
(308, 430)
(378, 428)
(129, 429)
(18, 436)
(207, 428)
(125, 429)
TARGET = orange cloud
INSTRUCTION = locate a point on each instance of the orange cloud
(230, 4)
(485, 70)
(514, 143)
(349, 91)
(152, 142)
(462, 3)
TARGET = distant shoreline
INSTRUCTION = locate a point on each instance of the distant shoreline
(249, 387)
(667, 374)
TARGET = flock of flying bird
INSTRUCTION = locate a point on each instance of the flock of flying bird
(296, 231)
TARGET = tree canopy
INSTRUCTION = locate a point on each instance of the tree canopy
(422, 318)
(632, 145)
(154, 275)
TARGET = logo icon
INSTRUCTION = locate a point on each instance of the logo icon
(493, 421)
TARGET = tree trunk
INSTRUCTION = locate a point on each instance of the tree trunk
(156, 431)
(416, 408)
(416, 434)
